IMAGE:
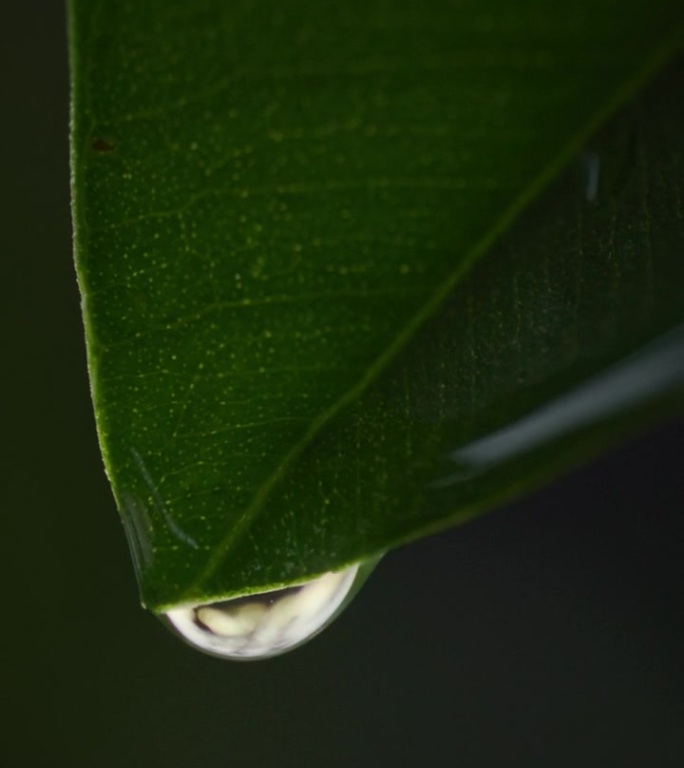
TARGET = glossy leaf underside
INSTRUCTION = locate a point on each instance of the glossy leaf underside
(324, 315)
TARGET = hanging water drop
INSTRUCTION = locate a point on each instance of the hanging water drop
(269, 623)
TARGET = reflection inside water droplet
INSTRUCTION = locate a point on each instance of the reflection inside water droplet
(269, 623)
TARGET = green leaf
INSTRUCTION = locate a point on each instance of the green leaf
(303, 346)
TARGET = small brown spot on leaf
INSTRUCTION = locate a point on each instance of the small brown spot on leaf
(102, 145)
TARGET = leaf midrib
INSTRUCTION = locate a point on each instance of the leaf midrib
(620, 96)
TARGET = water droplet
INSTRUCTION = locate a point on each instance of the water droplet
(591, 168)
(269, 623)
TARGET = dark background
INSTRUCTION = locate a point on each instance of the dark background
(546, 634)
